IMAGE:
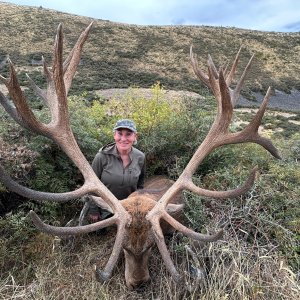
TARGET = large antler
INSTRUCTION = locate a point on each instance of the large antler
(217, 136)
(59, 80)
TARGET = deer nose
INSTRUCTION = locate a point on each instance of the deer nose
(137, 284)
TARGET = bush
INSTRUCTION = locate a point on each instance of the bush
(92, 122)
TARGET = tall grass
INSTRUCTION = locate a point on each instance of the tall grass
(232, 268)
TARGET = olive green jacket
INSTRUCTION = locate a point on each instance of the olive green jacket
(121, 181)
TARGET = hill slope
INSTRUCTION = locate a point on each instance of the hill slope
(119, 55)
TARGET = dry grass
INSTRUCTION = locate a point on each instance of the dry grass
(232, 268)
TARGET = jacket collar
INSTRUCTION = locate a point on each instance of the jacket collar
(112, 149)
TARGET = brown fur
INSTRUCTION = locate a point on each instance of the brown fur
(138, 231)
(140, 237)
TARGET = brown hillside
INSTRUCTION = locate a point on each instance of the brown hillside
(119, 55)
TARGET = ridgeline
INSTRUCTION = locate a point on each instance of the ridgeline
(119, 55)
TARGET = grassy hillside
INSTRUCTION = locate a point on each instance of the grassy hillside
(119, 55)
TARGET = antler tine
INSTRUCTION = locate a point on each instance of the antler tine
(23, 111)
(11, 110)
(200, 74)
(120, 219)
(191, 233)
(160, 242)
(72, 61)
(212, 67)
(188, 232)
(250, 132)
(117, 219)
(46, 70)
(41, 196)
(113, 259)
(235, 94)
(225, 69)
(38, 91)
(65, 231)
(189, 185)
(76, 230)
(222, 95)
(224, 116)
(61, 112)
(230, 75)
(44, 94)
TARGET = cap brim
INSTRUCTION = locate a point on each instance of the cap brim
(125, 127)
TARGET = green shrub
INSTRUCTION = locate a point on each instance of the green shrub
(167, 129)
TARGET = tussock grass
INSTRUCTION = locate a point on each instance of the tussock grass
(237, 270)
(243, 265)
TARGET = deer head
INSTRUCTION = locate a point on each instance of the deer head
(149, 209)
(140, 238)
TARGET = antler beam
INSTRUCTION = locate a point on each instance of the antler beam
(217, 136)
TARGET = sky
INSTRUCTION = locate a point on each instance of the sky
(265, 15)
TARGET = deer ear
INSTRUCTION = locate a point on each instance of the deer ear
(101, 203)
(174, 208)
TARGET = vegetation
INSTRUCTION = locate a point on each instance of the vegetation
(120, 55)
(258, 257)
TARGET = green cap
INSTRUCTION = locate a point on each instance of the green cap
(125, 123)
